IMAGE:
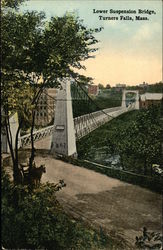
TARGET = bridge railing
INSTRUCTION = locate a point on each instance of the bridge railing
(84, 129)
(37, 135)
(89, 122)
(83, 124)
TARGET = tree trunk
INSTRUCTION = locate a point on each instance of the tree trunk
(16, 171)
(35, 101)
(9, 139)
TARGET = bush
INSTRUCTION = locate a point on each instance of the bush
(35, 220)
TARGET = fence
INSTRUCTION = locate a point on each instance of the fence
(37, 135)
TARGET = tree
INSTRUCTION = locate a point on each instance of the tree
(65, 42)
(36, 53)
(17, 85)
(16, 97)
(108, 86)
(140, 139)
(11, 3)
(148, 144)
(155, 88)
(101, 86)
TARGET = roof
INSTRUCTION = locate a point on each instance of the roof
(151, 96)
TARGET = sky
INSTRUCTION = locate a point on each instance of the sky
(130, 51)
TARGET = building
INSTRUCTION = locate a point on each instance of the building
(143, 85)
(46, 107)
(93, 90)
(119, 85)
(149, 99)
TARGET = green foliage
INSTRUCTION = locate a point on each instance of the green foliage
(108, 98)
(36, 53)
(17, 95)
(35, 219)
(108, 102)
(11, 3)
(135, 136)
(19, 33)
(151, 88)
(50, 49)
(155, 88)
(108, 86)
(140, 139)
(68, 42)
(101, 86)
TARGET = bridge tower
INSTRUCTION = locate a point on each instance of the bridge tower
(63, 137)
(124, 98)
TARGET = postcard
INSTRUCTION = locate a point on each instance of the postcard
(82, 123)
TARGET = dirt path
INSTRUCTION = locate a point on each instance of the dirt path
(122, 209)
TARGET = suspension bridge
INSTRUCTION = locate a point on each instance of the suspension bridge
(76, 115)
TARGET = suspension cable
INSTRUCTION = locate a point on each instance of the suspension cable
(93, 101)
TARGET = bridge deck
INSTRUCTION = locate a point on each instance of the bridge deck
(44, 143)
